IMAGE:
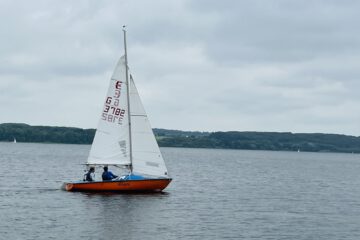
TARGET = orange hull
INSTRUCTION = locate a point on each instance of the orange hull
(152, 185)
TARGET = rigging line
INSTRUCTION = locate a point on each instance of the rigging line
(105, 164)
(147, 152)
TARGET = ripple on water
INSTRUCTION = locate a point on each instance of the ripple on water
(215, 194)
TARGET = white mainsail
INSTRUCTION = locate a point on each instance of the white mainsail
(147, 158)
(111, 141)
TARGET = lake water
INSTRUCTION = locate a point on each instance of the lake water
(215, 194)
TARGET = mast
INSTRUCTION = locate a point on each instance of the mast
(128, 99)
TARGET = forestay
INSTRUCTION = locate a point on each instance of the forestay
(147, 158)
(111, 141)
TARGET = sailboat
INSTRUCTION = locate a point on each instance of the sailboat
(125, 140)
(14, 140)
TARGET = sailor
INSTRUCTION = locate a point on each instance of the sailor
(107, 175)
(89, 176)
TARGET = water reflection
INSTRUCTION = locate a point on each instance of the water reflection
(123, 214)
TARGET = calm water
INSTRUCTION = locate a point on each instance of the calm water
(216, 194)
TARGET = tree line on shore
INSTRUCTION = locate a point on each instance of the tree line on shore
(277, 141)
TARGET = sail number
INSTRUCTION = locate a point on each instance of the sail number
(114, 110)
(111, 112)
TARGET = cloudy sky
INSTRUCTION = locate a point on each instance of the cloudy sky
(199, 65)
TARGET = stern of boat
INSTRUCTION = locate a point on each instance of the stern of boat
(67, 186)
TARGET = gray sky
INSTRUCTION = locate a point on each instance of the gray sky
(199, 65)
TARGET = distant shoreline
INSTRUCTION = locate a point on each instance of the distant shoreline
(274, 141)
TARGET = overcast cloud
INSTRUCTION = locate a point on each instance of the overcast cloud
(199, 65)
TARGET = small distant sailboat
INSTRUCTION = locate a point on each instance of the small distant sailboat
(14, 140)
(124, 138)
